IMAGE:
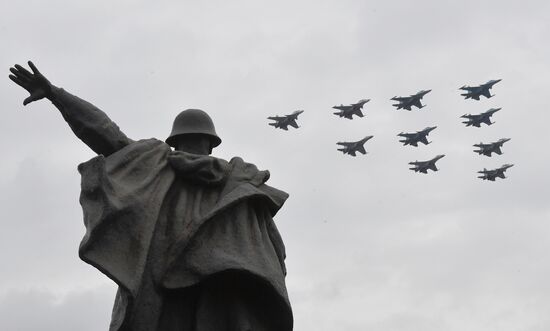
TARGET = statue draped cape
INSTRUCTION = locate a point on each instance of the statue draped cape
(177, 232)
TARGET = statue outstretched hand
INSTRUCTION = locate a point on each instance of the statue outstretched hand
(35, 83)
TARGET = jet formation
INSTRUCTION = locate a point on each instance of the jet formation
(494, 173)
(475, 92)
(353, 147)
(488, 149)
(424, 166)
(410, 101)
(353, 109)
(478, 119)
(282, 122)
(417, 137)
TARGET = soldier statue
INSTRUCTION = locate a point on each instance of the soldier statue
(188, 238)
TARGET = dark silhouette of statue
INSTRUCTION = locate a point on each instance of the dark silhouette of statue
(188, 238)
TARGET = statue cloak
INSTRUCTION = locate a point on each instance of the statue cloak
(164, 224)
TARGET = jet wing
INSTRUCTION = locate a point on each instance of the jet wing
(424, 140)
(486, 93)
(293, 124)
(400, 99)
(432, 167)
(417, 103)
(342, 107)
(486, 120)
(276, 118)
(407, 135)
(352, 152)
(361, 149)
(497, 150)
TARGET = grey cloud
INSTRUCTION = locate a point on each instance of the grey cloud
(42, 310)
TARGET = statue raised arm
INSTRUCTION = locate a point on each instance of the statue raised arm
(89, 123)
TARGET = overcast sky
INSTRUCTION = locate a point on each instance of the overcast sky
(371, 245)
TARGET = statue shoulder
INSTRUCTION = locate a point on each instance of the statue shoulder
(244, 171)
(146, 144)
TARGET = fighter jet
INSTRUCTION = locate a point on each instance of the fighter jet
(423, 166)
(408, 102)
(476, 120)
(353, 109)
(488, 149)
(494, 173)
(282, 122)
(353, 147)
(414, 138)
(474, 92)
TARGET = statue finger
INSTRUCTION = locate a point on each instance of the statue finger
(18, 81)
(30, 99)
(23, 71)
(18, 74)
(33, 68)
(14, 71)
(21, 80)
(27, 101)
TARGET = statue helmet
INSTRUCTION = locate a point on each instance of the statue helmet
(193, 121)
